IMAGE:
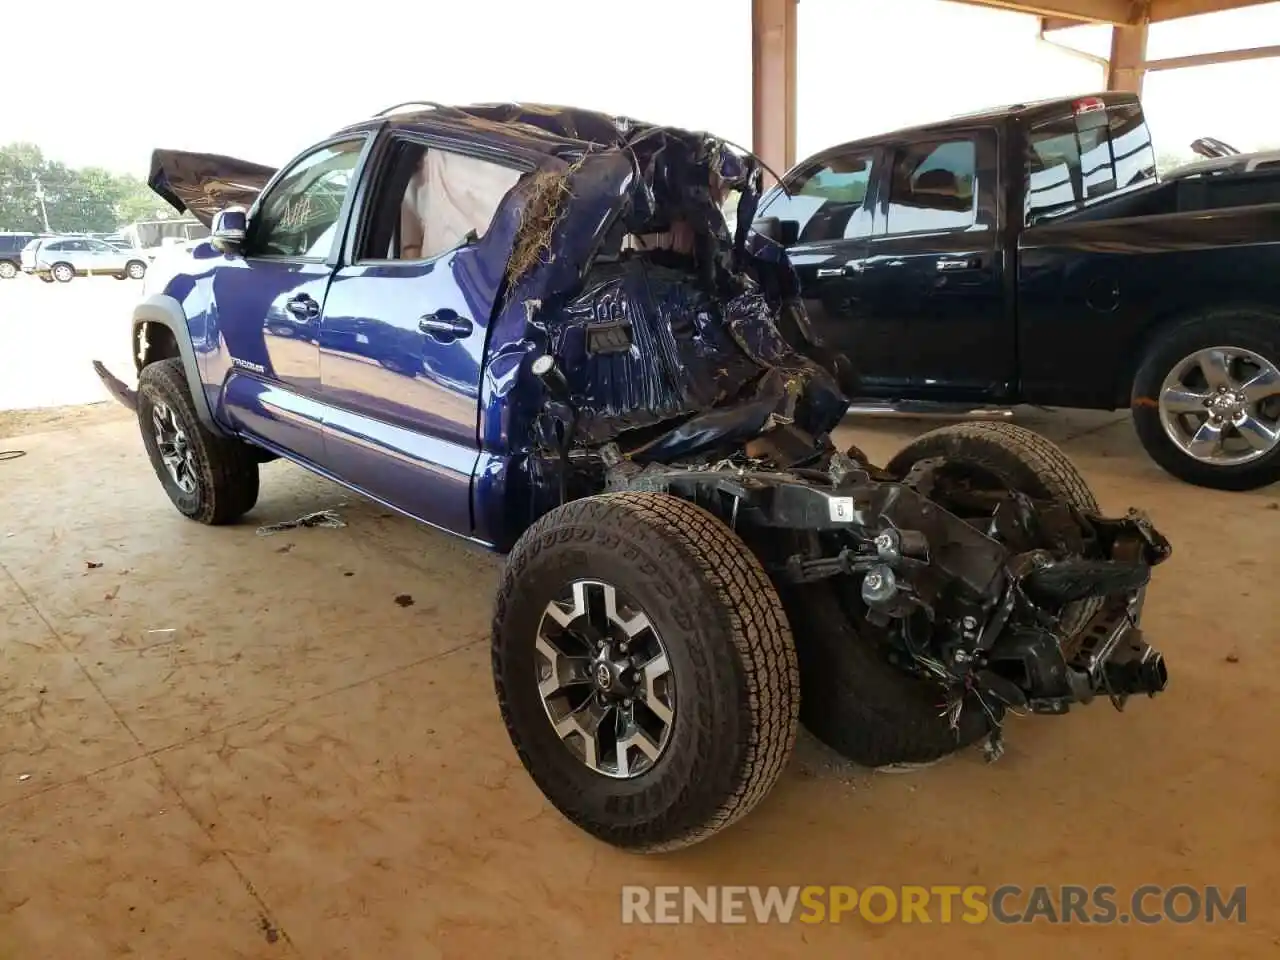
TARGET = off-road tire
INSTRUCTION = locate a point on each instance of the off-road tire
(1253, 330)
(226, 472)
(728, 642)
(857, 702)
(853, 699)
(1022, 460)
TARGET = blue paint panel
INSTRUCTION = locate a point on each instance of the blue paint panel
(404, 395)
(275, 413)
(422, 475)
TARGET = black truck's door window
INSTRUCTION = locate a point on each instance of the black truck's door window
(827, 199)
(932, 188)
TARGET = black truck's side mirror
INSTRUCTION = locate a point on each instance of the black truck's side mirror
(784, 232)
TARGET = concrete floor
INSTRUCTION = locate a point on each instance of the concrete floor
(222, 745)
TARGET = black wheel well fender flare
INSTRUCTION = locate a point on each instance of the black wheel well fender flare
(163, 313)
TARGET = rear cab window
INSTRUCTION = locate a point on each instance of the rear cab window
(1083, 156)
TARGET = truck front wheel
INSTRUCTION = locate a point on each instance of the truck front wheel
(644, 669)
(1206, 400)
(210, 479)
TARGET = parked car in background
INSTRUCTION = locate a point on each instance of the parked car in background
(63, 258)
(11, 245)
(1031, 254)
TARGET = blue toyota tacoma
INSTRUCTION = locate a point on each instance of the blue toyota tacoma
(532, 327)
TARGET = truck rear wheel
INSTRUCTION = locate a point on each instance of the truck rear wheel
(644, 669)
(1206, 400)
(853, 698)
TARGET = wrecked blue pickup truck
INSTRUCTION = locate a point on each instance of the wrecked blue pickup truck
(533, 328)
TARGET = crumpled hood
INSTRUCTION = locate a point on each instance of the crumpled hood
(204, 183)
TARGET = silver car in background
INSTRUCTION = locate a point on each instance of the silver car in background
(62, 258)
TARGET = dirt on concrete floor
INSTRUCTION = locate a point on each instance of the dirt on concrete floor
(218, 744)
(14, 423)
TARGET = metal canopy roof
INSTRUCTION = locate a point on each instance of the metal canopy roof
(773, 52)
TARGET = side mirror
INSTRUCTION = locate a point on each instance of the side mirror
(229, 229)
(784, 232)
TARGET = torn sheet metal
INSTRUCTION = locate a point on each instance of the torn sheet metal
(204, 183)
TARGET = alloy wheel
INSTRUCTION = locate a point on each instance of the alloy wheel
(605, 679)
(175, 450)
(1221, 406)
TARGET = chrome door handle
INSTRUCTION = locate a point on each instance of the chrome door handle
(962, 263)
(445, 325)
(849, 269)
(302, 307)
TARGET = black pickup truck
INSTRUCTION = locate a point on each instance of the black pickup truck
(1031, 254)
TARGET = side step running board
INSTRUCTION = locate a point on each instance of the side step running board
(926, 409)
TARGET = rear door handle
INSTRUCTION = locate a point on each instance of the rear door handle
(303, 306)
(445, 326)
(952, 265)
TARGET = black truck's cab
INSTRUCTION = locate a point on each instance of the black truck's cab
(1031, 255)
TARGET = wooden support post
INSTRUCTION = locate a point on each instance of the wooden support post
(773, 81)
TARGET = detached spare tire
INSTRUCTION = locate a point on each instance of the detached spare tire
(852, 698)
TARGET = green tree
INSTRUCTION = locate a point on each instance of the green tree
(20, 165)
(88, 200)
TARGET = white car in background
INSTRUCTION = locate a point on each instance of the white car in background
(64, 258)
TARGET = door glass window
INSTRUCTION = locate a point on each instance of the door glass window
(432, 201)
(932, 188)
(301, 216)
(826, 198)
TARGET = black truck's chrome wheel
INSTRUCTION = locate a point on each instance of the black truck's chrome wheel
(605, 679)
(1206, 398)
(1221, 405)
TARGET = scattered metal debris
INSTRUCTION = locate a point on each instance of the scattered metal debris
(1233, 658)
(320, 518)
(906, 767)
(24, 777)
(92, 564)
(12, 454)
(404, 600)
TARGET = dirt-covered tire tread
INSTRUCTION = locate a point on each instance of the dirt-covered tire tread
(742, 595)
(1057, 476)
(228, 468)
